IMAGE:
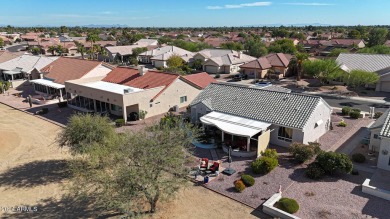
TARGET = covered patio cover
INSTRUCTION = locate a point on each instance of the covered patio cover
(234, 125)
(48, 83)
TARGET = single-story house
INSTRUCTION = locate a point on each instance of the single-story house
(126, 91)
(20, 68)
(380, 140)
(246, 112)
(50, 80)
(222, 60)
(123, 52)
(259, 68)
(158, 57)
(379, 63)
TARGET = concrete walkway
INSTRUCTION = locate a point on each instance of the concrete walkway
(366, 99)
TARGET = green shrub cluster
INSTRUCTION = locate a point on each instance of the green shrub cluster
(217, 75)
(355, 113)
(266, 163)
(377, 115)
(248, 180)
(288, 205)
(346, 110)
(343, 124)
(239, 185)
(303, 152)
(329, 162)
(119, 122)
(7, 85)
(358, 158)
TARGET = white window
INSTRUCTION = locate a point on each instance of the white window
(285, 134)
(183, 99)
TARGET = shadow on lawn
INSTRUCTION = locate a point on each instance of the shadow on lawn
(35, 173)
(67, 207)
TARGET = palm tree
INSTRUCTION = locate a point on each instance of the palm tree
(92, 38)
(52, 49)
(300, 57)
(103, 52)
(60, 49)
(81, 49)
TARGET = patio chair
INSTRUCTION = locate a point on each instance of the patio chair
(214, 167)
(204, 164)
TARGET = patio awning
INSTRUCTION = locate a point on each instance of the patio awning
(12, 72)
(48, 83)
(233, 124)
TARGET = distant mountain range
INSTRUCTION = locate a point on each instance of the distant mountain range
(288, 25)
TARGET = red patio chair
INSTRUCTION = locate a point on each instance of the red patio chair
(214, 167)
(204, 164)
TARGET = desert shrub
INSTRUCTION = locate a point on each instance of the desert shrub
(343, 124)
(119, 122)
(303, 152)
(314, 171)
(331, 162)
(248, 180)
(270, 153)
(358, 158)
(346, 110)
(288, 205)
(377, 115)
(217, 75)
(264, 165)
(355, 113)
(239, 185)
(6, 85)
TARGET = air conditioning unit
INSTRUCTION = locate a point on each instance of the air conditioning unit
(176, 108)
(127, 90)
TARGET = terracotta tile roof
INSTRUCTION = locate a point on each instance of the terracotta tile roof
(268, 61)
(152, 79)
(121, 75)
(6, 55)
(64, 69)
(202, 80)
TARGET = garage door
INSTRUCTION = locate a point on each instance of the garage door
(385, 86)
(211, 69)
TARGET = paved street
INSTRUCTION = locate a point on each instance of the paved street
(17, 48)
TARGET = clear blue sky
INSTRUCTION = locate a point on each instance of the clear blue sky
(177, 13)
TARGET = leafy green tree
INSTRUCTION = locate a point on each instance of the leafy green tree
(379, 49)
(52, 49)
(81, 49)
(377, 36)
(324, 70)
(336, 52)
(232, 46)
(64, 29)
(122, 172)
(255, 47)
(175, 61)
(197, 64)
(35, 50)
(357, 78)
(283, 46)
(1, 42)
(354, 34)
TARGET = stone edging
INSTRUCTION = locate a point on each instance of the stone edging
(32, 114)
(268, 208)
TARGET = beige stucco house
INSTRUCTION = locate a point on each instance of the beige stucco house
(124, 91)
(258, 68)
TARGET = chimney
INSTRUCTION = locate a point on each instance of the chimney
(141, 69)
(239, 54)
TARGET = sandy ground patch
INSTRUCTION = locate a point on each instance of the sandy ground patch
(199, 202)
(30, 160)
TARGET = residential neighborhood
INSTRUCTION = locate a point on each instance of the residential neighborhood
(165, 110)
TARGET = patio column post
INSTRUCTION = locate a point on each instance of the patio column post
(94, 105)
(12, 77)
(60, 94)
(47, 90)
(223, 136)
(248, 144)
(124, 113)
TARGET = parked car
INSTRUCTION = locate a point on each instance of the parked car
(263, 83)
(239, 77)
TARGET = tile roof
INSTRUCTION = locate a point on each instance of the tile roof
(268, 61)
(65, 69)
(201, 80)
(165, 49)
(152, 79)
(286, 109)
(6, 55)
(231, 58)
(385, 131)
(27, 62)
(366, 62)
(121, 75)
